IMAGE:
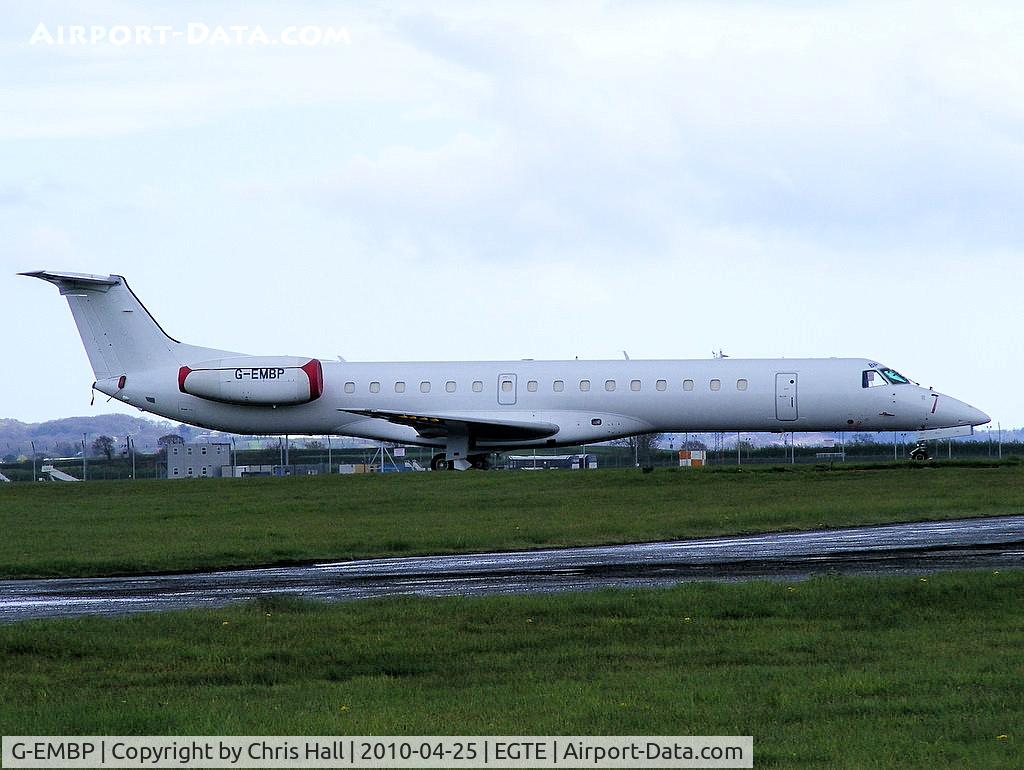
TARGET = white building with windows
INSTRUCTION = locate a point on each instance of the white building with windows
(201, 460)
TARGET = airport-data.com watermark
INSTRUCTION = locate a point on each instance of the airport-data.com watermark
(195, 33)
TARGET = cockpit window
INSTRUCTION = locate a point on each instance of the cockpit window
(895, 377)
(872, 379)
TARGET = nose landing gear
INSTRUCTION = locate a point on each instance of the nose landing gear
(919, 453)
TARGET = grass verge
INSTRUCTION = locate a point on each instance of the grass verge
(150, 526)
(838, 672)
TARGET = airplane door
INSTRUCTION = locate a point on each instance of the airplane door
(785, 396)
(506, 389)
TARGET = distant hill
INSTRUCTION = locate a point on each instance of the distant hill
(63, 438)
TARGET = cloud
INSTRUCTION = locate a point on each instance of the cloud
(102, 90)
(636, 130)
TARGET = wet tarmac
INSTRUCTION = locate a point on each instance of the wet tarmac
(986, 543)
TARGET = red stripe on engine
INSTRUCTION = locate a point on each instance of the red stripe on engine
(315, 372)
(183, 372)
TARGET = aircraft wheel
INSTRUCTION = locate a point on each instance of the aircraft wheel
(438, 463)
(919, 454)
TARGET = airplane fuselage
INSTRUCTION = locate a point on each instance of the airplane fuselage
(589, 401)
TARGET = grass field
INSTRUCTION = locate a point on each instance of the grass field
(833, 672)
(128, 527)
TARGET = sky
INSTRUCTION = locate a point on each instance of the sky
(521, 180)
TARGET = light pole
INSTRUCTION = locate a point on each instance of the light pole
(34, 477)
(84, 465)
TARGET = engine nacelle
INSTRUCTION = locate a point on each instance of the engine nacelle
(255, 380)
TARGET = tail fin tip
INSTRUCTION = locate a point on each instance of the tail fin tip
(62, 280)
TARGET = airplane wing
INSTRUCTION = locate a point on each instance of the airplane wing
(432, 426)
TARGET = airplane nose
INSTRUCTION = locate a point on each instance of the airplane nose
(976, 416)
(953, 413)
(948, 412)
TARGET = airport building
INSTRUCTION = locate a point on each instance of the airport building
(202, 460)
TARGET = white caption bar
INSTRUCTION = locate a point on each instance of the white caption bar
(379, 751)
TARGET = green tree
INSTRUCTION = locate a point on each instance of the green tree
(104, 445)
(642, 446)
(165, 441)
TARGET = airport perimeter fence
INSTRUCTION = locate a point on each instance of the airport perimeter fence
(314, 462)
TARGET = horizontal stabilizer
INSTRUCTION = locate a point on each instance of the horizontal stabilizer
(71, 280)
(432, 426)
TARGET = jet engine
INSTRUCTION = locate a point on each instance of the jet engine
(255, 380)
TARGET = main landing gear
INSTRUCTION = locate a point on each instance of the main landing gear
(480, 462)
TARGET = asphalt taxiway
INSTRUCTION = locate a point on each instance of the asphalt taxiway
(982, 543)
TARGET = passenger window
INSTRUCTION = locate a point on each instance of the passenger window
(506, 386)
(478, 386)
(375, 387)
(716, 384)
(584, 385)
(425, 387)
(350, 387)
(687, 384)
(609, 385)
(532, 386)
(450, 386)
(634, 385)
(660, 385)
(741, 384)
(558, 386)
(399, 387)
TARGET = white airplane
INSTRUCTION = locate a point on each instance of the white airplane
(468, 409)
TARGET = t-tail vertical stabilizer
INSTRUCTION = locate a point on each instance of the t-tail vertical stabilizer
(119, 334)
